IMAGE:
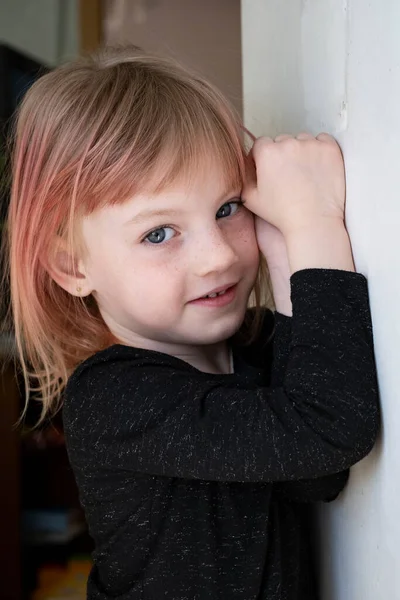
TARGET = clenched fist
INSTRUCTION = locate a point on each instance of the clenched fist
(298, 181)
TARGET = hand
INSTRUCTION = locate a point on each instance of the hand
(299, 181)
(272, 245)
(298, 185)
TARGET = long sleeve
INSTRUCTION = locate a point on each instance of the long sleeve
(154, 414)
(281, 348)
(324, 488)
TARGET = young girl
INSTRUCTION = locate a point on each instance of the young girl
(133, 259)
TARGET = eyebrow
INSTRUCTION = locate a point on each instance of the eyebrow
(147, 214)
(173, 213)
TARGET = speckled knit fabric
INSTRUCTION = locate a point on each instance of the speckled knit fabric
(194, 485)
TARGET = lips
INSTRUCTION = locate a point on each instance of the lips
(218, 297)
(214, 295)
(219, 291)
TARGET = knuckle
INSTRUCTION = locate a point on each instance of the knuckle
(290, 144)
(261, 146)
(326, 137)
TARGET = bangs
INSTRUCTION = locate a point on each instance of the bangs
(182, 159)
(148, 142)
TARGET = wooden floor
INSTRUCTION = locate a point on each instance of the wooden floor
(69, 583)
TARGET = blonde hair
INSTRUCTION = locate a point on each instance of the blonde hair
(92, 133)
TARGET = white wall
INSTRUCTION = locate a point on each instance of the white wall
(334, 65)
(47, 30)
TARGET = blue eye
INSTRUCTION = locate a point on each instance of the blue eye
(160, 235)
(228, 209)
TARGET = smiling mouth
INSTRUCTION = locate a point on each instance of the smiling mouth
(218, 291)
(219, 297)
(215, 294)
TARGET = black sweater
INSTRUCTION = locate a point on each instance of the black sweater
(193, 483)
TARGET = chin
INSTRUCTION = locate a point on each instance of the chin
(221, 330)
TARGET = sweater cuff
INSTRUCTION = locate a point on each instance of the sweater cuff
(319, 295)
(282, 343)
(283, 328)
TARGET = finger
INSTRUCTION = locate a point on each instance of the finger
(329, 140)
(305, 136)
(249, 189)
(325, 137)
(259, 147)
(249, 193)
(283, 137)
(250, 170)
(263, 141)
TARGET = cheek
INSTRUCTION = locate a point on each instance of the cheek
(246, 240)
(151, 280)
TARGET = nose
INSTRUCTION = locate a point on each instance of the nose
(213, 253)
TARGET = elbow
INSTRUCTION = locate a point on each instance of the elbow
(363, 438)
(368, 439)
(352, 435)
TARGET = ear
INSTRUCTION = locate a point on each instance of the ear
(67, 270)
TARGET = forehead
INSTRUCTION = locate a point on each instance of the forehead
(208, 184)
(207, 166)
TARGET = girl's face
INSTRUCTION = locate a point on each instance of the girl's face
(152, 260)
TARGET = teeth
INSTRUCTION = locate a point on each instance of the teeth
(215, 295)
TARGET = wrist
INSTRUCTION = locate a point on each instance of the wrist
(321, 244)
(280, 283)
(314, 223)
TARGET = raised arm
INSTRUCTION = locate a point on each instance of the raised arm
(160, 416)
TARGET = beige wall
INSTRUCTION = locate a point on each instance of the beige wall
(204, 34)
(46, 30)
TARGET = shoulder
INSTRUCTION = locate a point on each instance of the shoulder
(119, 367)
(108, 364)
(114, 386)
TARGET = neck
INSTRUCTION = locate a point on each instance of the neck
(215, 358)
(212, 358)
